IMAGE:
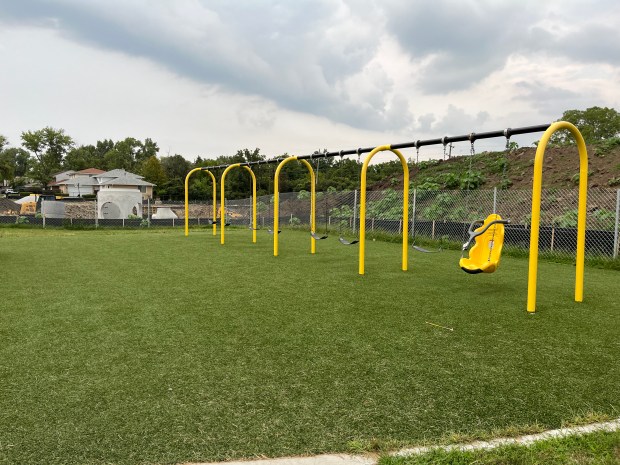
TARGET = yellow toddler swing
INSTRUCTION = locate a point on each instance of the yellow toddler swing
(485, 254)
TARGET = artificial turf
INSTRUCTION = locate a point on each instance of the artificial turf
(150, 347)
(600, 448)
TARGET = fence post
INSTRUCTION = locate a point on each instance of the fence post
(71, 220)
(148, 212)
(552, 238)
(400, 226)
(123, 222)
(433, 231)
(44, 221)
(372, 224)
(413, 205)
(354, 210)
(494, 200)
(617, 223)
(173, 222)
(96, 214)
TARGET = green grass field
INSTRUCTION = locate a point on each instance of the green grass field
(600, 448)
(149, 347)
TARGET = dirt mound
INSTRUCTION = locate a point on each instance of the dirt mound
(514, 170)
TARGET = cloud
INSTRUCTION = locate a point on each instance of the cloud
(460, 43)
(302, 55)
(547, 98)
(457, 43)
(456, 121)
(363, 64)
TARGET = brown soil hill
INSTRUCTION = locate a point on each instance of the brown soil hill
(560, 169)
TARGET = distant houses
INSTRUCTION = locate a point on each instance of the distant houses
(120, 193)
(92, 180)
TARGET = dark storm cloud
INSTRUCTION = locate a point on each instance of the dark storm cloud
(462, 42)
(320, 56)
(547, 99)
(298, 54)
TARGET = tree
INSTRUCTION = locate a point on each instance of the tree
(15, 162)
(146, 150)
(176, 168)
(153, 171)
(595, 124)
(80, 158)
(49, 146)
(122, 155)
(3, 142)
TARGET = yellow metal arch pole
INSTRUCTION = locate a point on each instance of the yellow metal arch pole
(581, 218)
(223, 202)
(248, 169)
(276, 204)
(187, 199)
(312, 205)
(362, 243)
(214, 218)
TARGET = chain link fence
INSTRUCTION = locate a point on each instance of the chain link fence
(442, 216)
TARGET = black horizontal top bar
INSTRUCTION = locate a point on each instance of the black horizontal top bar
(471, 137)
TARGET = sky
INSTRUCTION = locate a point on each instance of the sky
(207, 78)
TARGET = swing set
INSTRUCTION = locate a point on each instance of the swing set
(487, 235)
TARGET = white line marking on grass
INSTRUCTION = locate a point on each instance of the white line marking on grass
(613, 425)
(346, 459)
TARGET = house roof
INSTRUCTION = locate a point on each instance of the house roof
(126, 181)
(67, 172)
(8, 205)
(81, 180)
(117, 173)
(90, 171)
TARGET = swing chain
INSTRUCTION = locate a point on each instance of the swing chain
(417, 152)
(507, 134)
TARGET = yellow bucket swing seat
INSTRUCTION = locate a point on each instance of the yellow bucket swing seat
(484, 256)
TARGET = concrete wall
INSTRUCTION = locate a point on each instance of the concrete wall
(118, 203)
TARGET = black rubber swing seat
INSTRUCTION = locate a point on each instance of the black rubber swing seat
(345, 242)
(270, 231)
(317, 237)
(218, 222)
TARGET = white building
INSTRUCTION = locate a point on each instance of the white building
(119, 192)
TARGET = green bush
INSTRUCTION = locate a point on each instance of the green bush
(606, 146)
(567, 220)
(472, 180)
(429, 184)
